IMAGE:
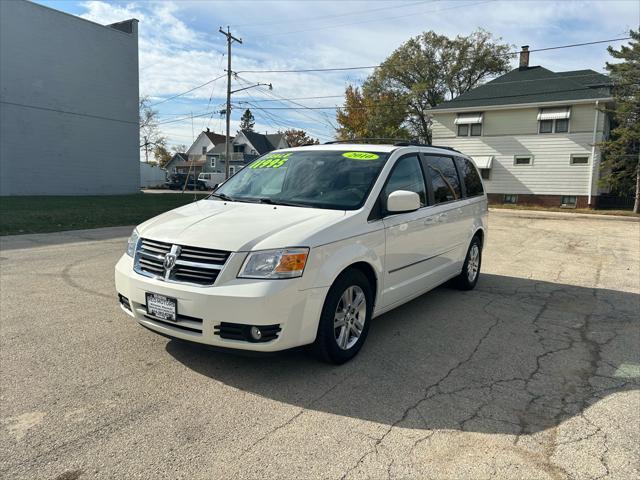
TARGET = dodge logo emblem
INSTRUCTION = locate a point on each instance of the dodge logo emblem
(170, 261)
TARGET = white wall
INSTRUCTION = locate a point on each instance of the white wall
(69, 104)
(151, 175)
(507, 133)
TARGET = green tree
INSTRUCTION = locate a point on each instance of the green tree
(621, 152)
(297, 138)
(420, 74)
(247, 121)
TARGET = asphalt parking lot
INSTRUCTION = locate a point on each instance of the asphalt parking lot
(535, 374)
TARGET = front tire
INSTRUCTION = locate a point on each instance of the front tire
(346, 315)
(471, 268)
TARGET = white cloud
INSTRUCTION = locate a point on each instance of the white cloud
(180, 46)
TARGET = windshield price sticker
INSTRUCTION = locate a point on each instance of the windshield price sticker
(360, 156)
(272, 161)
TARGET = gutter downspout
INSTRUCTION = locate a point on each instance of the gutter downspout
(594, 162)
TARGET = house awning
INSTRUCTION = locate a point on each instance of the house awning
(483, 161)
(554, 113)
(468, 118)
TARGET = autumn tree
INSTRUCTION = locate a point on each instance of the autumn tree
(621, 152)
(247, 121)
(423, 72)
(297, 138)
(371, 116)
(162, 155)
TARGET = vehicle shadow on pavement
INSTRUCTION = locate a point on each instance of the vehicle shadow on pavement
(513, 356)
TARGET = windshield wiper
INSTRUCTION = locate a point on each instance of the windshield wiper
(271, 201)
(222, 196)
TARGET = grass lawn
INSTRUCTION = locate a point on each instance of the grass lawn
(626, 213)
(54, 214)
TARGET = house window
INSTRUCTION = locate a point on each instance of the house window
(469, 124)
(522, 160)
(238, 148)
(476, 129)
(554, 120)
(485, 173)
(562, 125)
(579, 159)
(470, 129)
(232, 170)
(213, 162)
(204, 150)
(568, 201)
(546, 126)
(510, 199)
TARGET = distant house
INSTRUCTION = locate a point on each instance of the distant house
(533, 134)
(195, 158)
(205, 141)
(245, 147)
(180, 163)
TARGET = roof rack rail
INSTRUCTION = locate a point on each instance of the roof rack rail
(372, 140)
(446, 148)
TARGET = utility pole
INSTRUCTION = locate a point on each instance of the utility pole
(230, 39)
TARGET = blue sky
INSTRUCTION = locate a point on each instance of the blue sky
(180, 47)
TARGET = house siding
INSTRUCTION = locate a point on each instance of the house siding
(69, 114)
(511, 132)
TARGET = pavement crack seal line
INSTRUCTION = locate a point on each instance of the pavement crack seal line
(426, 395)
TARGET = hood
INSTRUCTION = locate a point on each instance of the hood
(236, 226)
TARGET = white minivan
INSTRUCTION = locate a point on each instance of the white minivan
(306, 245)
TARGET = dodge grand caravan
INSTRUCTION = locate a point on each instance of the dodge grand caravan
(306, 245)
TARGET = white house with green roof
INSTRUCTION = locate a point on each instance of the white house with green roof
(533, 134)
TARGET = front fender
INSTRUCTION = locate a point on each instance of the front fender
(328, 261)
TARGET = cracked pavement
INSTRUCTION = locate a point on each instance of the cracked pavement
(534, 374)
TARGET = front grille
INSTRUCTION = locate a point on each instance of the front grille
(237, 331)
(194, 265)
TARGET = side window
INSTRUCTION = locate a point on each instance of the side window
(406, 175)
(444, 179)
(470, 177)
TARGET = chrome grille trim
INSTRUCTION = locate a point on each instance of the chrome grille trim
(193, 265)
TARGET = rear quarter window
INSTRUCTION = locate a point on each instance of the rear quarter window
(470, 177)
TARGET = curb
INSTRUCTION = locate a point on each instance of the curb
(539, 214)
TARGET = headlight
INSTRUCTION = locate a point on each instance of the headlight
(282, 263)
(132, 242)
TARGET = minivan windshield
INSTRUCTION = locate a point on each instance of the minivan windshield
(338, 180)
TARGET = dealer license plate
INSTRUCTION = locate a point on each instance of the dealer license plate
(159, 306)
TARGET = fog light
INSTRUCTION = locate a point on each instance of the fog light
(255, 332)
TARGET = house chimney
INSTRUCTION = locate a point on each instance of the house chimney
(208, 129)
(524, 57)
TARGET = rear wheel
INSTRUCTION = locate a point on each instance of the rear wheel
(345, 318)
(471, 268)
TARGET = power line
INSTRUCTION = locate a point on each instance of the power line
(303, 20)
(188, 91)
(68, 112)
(510, 54)
(382, 19)
(260, 100)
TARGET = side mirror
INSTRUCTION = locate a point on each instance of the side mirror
(216, 185)
(403, 201)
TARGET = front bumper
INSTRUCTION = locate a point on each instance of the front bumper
(201, 310)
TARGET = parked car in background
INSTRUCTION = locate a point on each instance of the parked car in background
(211, 179)
(177, 181)
(307, 245)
